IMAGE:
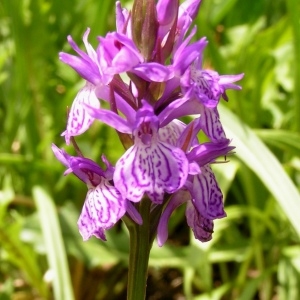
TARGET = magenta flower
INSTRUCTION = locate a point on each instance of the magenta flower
(104, 206)
(88, 67)
(154, 46)
(201, 193)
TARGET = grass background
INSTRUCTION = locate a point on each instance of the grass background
(255, 251)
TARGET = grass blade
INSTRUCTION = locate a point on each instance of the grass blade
(55, 249)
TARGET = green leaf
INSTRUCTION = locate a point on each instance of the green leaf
(283, 139)
(55, 248)
(22, 255)
(254, 153)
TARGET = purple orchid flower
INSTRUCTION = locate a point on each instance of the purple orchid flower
(104, 205)
(88, 67)
(207, 85)
(164, 160)
(201, 191)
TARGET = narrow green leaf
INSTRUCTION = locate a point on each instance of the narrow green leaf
(252, 285)
(22, 256)
(55, 249)
(283, 139)
(253, 152)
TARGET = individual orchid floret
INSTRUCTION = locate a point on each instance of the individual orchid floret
(201, 193)
(87, 66)
(201, 226)
(78, 118)
(104, 206)
(203, 187)
(150, 166)
(207, 85)
(117, 54)
(206, 194)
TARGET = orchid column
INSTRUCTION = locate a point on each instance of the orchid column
(164, 165)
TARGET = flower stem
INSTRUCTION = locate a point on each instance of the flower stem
(140, 246)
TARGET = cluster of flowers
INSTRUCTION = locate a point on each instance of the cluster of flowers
(163, 159)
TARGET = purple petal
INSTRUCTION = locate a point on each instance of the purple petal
(227, 80)
(207, 152)
(152, 169)
(167, 115)
(194, 168)
(207, 196)
(166, 11)
(103, 207)
(110, 118)
(85, 68)
(121, 17)
(170, 133)
(61, 155)
(118, 54)
(191, 7)
(88, 227)
(133, 213)
(153, 71)
(188, 138)
(79, 120)
(184, 56)
(86, 170)
(211, 124)
(162, 230)
(86, 65)
(202, 227)
(89, 49)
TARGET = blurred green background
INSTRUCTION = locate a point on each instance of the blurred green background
(255, 251)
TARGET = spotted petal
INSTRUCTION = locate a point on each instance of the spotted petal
(207, 196)
(152, 169)
(202, 227)
(79, 119)
(103, 207)
(211, 124)
(171, 132)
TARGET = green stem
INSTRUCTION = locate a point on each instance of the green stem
(140, 246)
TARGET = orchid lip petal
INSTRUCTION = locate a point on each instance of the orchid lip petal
(152, 169)
(150, 166)
(207, 196)
(103, 207)
(201, 226)
(211, 124)
(79, 120)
